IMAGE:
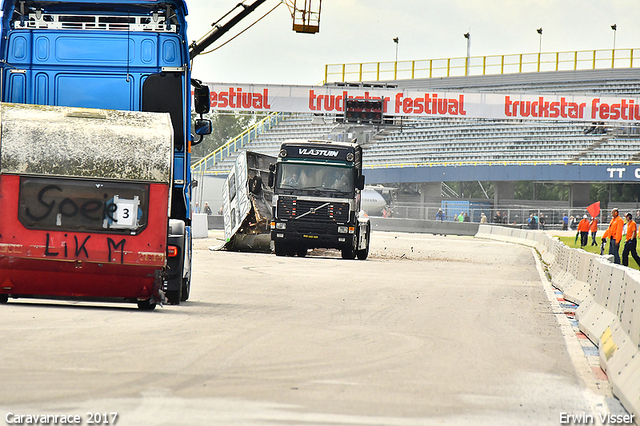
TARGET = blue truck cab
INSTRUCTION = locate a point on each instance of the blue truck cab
(130, 55)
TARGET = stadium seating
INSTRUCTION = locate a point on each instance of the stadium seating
(457, 140)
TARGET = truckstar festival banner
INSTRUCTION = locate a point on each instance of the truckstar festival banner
(330, 99)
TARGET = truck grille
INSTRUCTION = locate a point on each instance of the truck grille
(292, 208)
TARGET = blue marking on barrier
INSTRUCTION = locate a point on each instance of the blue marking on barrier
(590, 351)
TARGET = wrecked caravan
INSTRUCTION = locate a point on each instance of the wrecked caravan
(84, 195)
(247, 203)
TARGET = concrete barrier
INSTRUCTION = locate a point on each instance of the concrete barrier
(199, 226)
(424, 226)
(215, 222)
(608, 296)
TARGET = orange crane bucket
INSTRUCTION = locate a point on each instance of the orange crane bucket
(306, 16)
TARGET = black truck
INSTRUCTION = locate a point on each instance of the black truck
(316, 199)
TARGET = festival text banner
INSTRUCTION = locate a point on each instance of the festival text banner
(330, 100)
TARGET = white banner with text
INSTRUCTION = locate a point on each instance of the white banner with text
(396, 102)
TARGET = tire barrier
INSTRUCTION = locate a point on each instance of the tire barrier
(608, 296)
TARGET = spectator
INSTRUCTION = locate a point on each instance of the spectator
(531, 221)
(461, 217)
(196, 208)
(573, 222)
(483, 218)
(631, 231)
(440, 215)
(497, 218)
(542, 221)
(637, 219)
(565, 222)
(207, 209)
(466, 217)
(593, 227)
(583, 229)
(614, 232)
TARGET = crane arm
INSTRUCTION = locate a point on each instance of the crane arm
(219, 30)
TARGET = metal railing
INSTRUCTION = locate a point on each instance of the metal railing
(499, 163)
(235, 144)
(483, 65)
(510, 215)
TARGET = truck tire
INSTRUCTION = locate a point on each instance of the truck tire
(4, 298)
(146, 305)
(301, 251)
(174, 296)
(186, 289)
(280, 248)
(255, 185)
(350, 252)
(364, 253)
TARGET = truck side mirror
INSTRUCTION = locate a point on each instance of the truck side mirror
(360, 183)
(201, 99)
(203, 127)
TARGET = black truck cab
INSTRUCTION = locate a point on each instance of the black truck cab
(316, 203)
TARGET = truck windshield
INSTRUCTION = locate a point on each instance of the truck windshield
(307, 177)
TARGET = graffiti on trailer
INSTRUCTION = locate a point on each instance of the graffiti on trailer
(81, 249)
(71, 205)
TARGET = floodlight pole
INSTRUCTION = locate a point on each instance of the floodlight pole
(468, 37)
(539, 30)
(396, 40)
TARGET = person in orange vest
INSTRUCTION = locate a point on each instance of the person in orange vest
(583, 229)
(593, 227)
(630, 245)
(614, 232)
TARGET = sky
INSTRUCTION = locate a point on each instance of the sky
(354, 31)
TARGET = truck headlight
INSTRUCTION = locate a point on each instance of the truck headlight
(343, 229)
(281, 225)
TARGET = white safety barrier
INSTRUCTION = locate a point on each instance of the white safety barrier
(608, 296)
(199, 226)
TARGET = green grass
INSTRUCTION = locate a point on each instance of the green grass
(573, 243)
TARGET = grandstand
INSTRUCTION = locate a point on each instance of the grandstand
(432, 150)
(431, 141)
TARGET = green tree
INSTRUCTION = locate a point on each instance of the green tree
(529, 190)
(226, 126)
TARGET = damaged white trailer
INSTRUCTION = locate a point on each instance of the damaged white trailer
(247, 203)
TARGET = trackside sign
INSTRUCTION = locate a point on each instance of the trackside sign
(330, 99)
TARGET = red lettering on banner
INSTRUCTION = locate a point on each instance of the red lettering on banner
(332, 99)
(329, 103)
(236, 98)
(543, 109)
(430, 104)
(625, 110)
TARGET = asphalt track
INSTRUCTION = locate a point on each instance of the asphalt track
(431, 330)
